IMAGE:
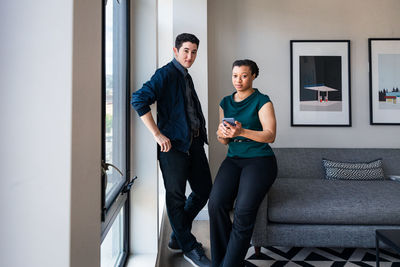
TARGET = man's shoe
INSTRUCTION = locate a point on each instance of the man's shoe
(173, 246)
(197, 257)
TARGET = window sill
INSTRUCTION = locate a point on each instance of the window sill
(142, 260)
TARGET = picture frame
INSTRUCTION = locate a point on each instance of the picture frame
(320, 83)
(384, 80)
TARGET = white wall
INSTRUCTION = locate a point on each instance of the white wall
(165, 34)
(36, 132)
(49, 133)
(144, 194)
(262, 30)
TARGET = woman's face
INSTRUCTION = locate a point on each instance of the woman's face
(242, 79)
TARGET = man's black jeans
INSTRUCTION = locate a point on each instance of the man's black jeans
(178, 167)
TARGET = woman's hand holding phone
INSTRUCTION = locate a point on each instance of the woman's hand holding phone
(231, 121)
(230, 128)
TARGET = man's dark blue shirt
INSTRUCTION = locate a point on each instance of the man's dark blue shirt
(168, 87)
(190, 107)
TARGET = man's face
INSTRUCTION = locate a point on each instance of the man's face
(186, 54)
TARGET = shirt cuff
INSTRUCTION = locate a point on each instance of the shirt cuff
(143, 110)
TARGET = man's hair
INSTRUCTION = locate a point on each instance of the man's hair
(247, 62)
(186, 37)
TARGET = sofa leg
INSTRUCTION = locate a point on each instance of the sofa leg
(257, 251)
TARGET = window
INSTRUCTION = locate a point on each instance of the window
(115, 134)
(112, 247)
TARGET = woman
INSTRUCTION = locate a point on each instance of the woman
(247, 172)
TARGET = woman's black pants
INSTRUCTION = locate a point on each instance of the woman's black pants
(247, 180)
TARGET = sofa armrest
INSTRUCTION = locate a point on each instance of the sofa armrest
(260, 227)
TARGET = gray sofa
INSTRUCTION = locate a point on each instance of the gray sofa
(304, 209)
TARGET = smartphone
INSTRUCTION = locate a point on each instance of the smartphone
(231, 121)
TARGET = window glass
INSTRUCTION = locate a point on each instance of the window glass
(112, 246)
(115, 142)
(115, 96)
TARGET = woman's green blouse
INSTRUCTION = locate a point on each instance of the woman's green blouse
(246, 112)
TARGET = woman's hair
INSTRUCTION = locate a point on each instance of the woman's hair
(247, 62)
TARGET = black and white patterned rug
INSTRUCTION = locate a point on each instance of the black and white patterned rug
(320, 257)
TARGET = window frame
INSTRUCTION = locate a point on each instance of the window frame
(120, 200)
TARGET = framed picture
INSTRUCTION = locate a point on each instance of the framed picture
(320, 83)
(384, 81)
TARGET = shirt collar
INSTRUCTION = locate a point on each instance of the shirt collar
(178, 65)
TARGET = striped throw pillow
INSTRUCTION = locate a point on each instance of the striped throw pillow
(353, 170)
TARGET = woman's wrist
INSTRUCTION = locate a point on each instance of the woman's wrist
(242, 132)
(220, 137)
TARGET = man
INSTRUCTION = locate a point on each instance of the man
(180, 133)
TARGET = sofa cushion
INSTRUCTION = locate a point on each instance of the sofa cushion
(337, 170)
(322, 201)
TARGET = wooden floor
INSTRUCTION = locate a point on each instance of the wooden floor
(166, 258)
(279, 256)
